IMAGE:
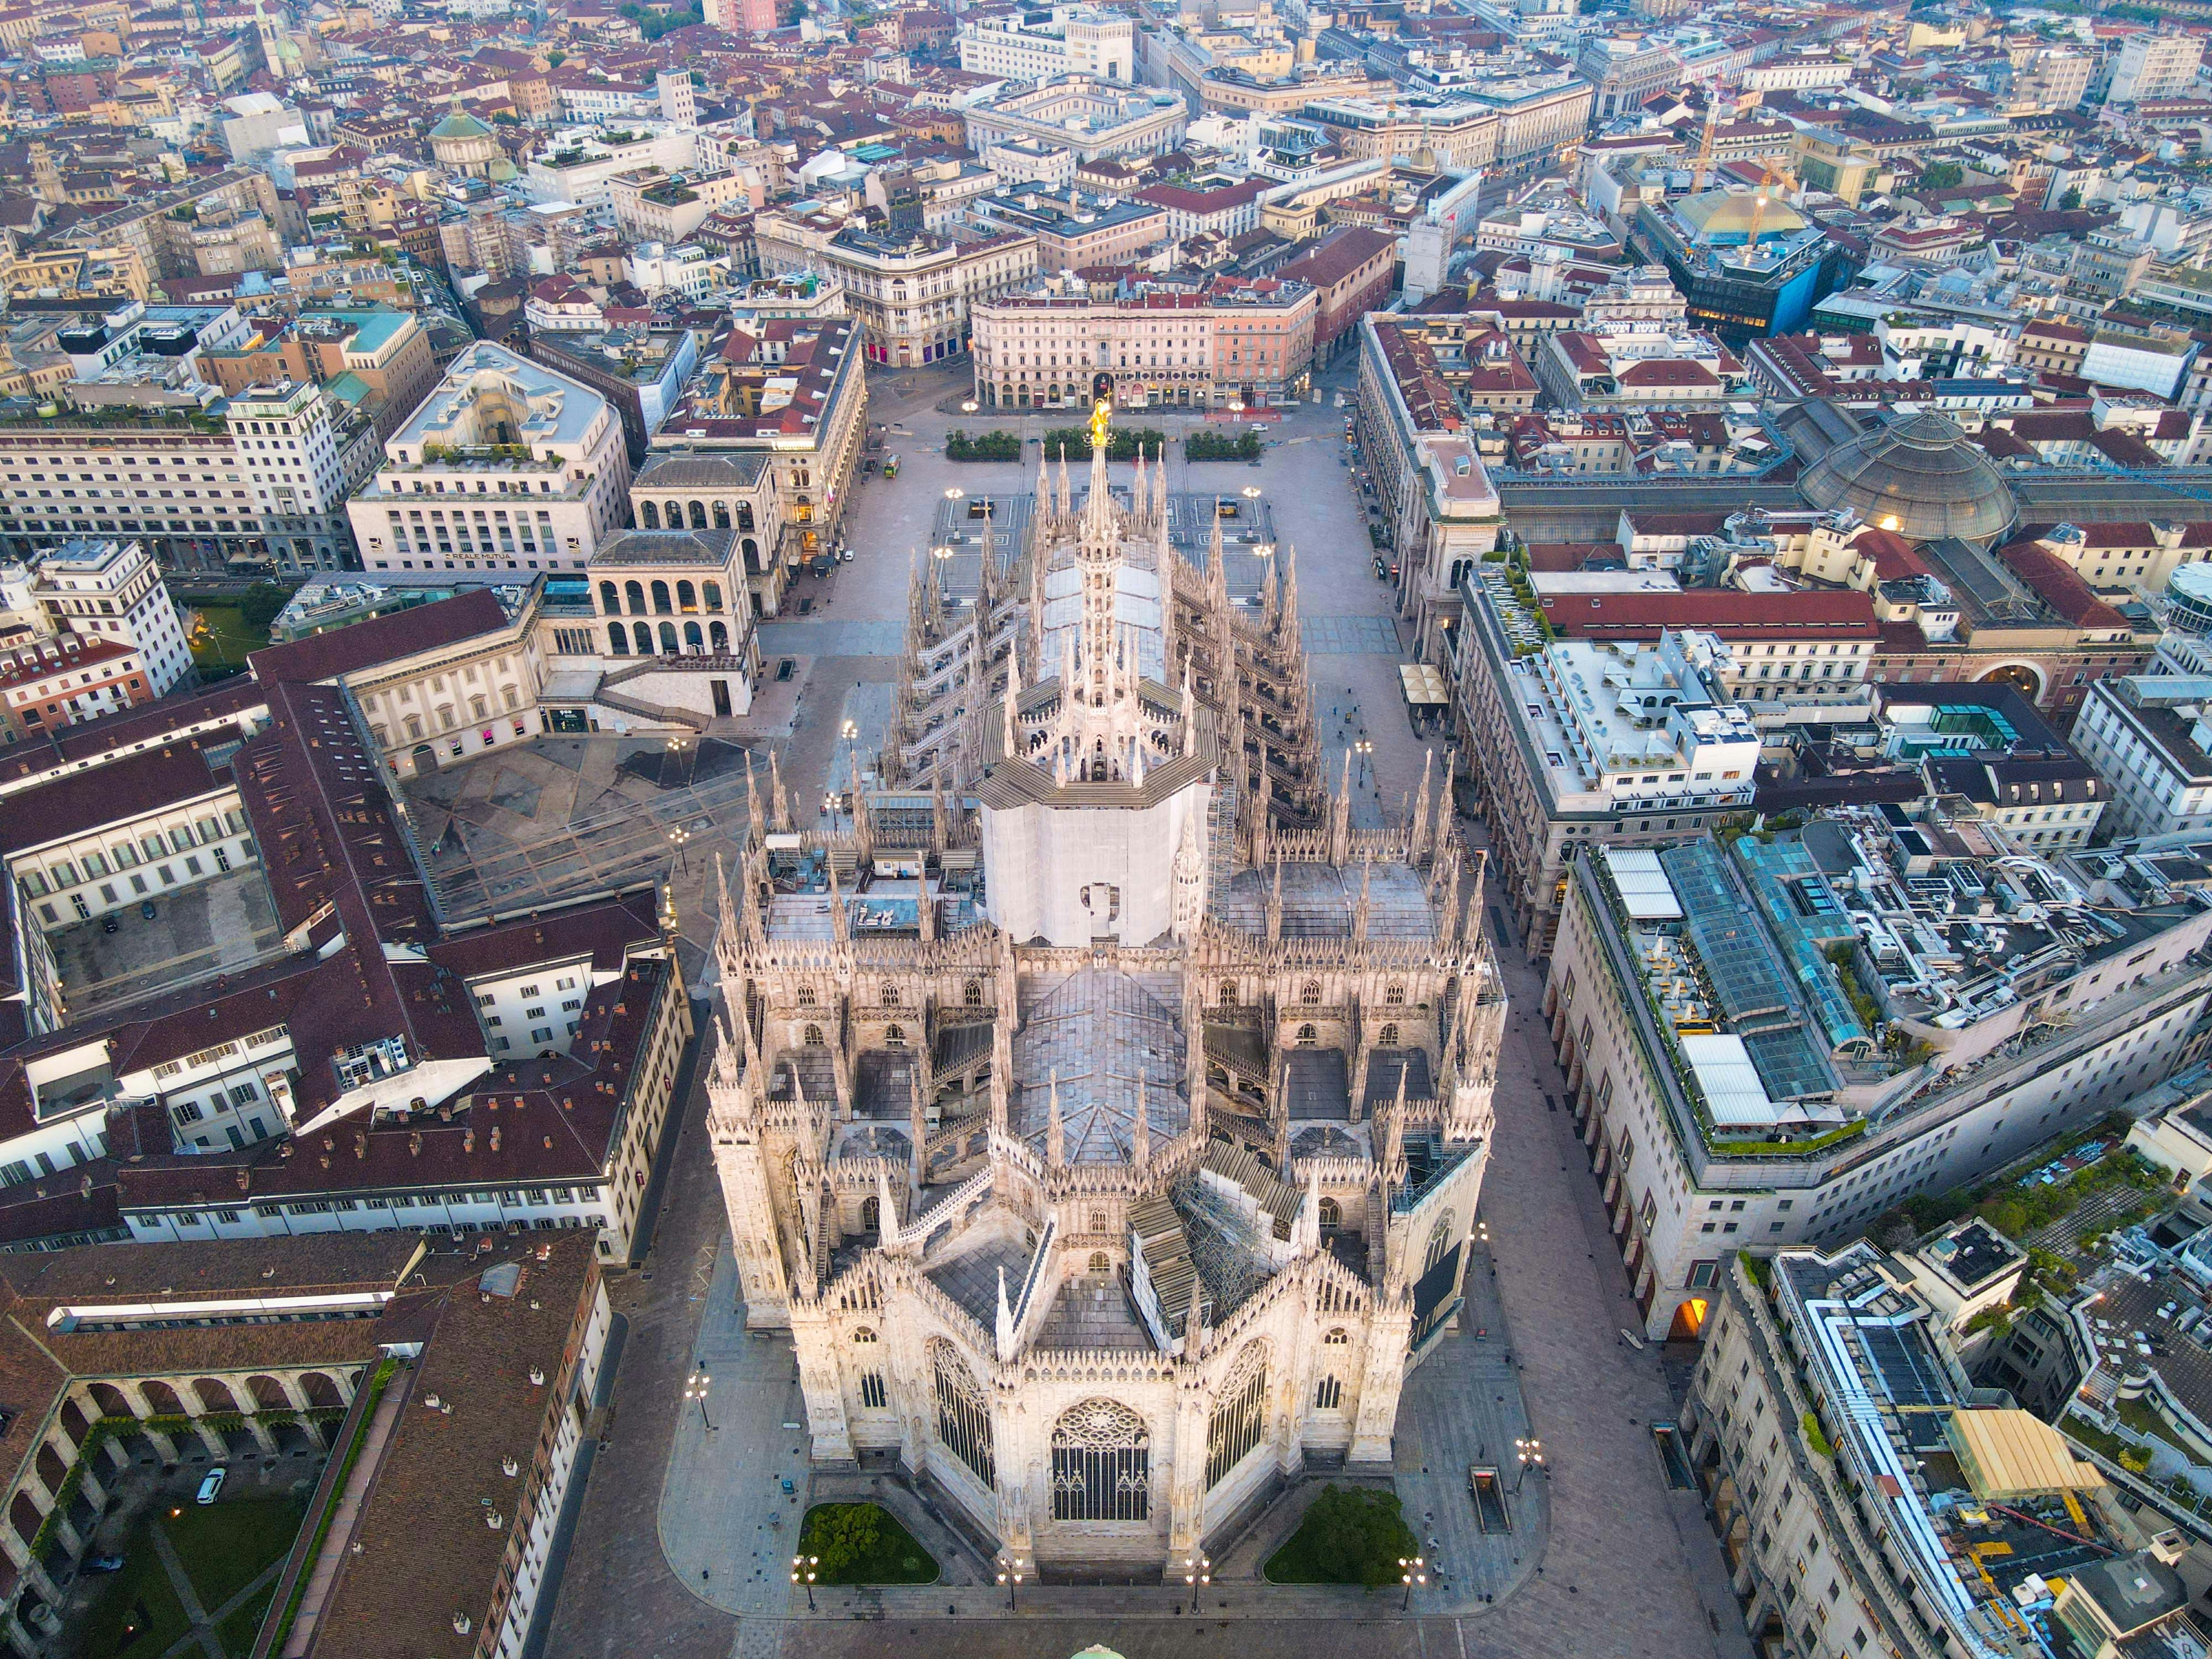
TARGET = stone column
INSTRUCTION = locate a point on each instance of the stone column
(294, 1393)
(13, 1546)
(95, 1489)
(261, 1434)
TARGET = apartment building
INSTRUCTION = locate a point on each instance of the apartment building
(2150, 737)
(1234, 340)
(1418, 439)
(1063, 40)
(44, 686)
(791, 391)
(507, 465)
(387, 353)
(2155, 63)
(82, 592)
(911, 297)
(1770, 1043)
(1869, 1499)
(302, 452)
(1081, 116)
(1350, 272)
(1073, 229)
(1635, 366)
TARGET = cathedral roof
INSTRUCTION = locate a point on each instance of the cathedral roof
(1095, 1031)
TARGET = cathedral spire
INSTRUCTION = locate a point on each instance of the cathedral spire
(1140, 1136)
(1043, 499)
(1365, 912)
(1189, 713)
(1189, 879)
(1194, 1323)
(1417, 834)
(1004, 1334)
(987, 591)
(837, 929)
(1217, 578)
(1339, 817)
(779, 803)
(1275, 905)
(1063, 508)
(917, 1120)
(1013, 693)
(1055, 1133)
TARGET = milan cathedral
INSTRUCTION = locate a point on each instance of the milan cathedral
(1104, 1113)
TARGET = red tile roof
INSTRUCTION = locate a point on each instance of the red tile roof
(1824, 614)
(2058, 587)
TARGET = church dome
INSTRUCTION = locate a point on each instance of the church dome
(1918, 475)
(460, 125)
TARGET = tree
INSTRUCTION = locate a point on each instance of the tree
(1941, 175)
(1357, 1536)
(261, 604)
(556, 58)
(2071, 201)
(843, 1535)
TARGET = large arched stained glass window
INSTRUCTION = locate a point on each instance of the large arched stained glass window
(963, 1411)
(1240, 1414)
(1102, 1456)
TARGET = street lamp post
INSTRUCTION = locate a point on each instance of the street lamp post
(696, 1389)
(1363, 748)
(1011, 1568)
(802, 1572)
(1531, 1455)
(1410, 1573)
(1198, 1573)
(830, 809)
(679, 838)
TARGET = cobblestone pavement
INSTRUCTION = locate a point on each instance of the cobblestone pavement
(1628, 1568)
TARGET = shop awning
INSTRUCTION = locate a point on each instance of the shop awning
(1424, 686)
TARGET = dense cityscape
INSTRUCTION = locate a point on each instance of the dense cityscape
(1082, 830)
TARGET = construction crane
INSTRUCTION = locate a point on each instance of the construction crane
(1702, 175)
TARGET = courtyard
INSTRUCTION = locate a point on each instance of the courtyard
(215, 927)
(195, 1579)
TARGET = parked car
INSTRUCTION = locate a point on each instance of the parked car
(147, 910)
(211, 1488)
(103, 1564)
(108, 924)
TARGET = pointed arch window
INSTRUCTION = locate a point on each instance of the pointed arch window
(1240, 1414)
(963, 1412)
(1101, 1454)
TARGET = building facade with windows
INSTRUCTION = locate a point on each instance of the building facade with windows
(1748, 1069)
(913, 297)
(1234, 341)
(794, 392)
(1024, 46)
(506, 466)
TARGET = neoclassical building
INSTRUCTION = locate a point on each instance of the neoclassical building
(1103, 1113)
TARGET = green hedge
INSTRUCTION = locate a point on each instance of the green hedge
(1122, 442)
(1218, 446)
(989, 446)
(1349, 1536)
